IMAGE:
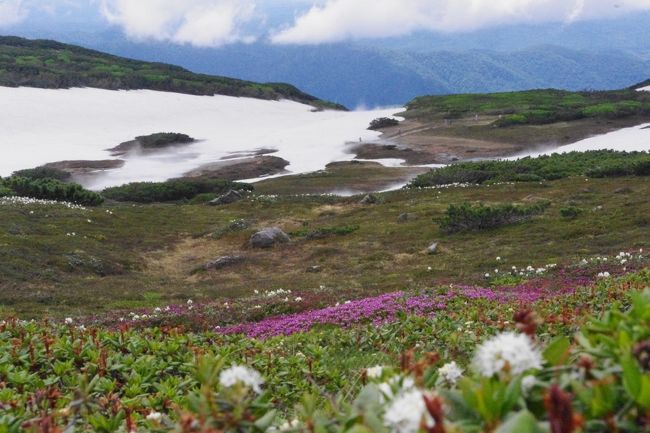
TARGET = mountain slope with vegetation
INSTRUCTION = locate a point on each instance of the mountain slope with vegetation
(54, 65)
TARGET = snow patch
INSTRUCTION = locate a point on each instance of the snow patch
(38, 126)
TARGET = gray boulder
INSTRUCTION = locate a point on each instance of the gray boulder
(405, 217)
(231, 196)
(223, 262)
(433, 248)
(369, 199)
(268, 238)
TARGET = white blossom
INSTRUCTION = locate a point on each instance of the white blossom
(451, 372)
(375, 372)
(68, 320)
(154, 416)
(244, 375)
(407, 412)
(507, 353)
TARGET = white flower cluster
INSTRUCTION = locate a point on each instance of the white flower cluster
(14, 200)
(450, 372)
(242, 375)
(407, 412)
(507, 353)
(604, 275)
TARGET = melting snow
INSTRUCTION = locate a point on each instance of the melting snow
(38, 126)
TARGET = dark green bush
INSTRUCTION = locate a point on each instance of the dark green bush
(162, 139)
(602, 163)
(43, 173)
(570, 212)
(466, 217)
(51, 189)
(383, 122)
(171, 190)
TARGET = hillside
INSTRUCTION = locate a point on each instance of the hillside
(465, 126)
(54, 65)
(353, 74)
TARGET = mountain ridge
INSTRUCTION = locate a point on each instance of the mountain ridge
(45, 63)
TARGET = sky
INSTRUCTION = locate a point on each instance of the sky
(215, 23)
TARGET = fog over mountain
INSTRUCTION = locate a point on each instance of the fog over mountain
(594, 54)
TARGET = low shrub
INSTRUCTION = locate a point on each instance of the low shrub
(44, 173)
(570, 212)
(171, 190)
(324, 232)
(51, 189)
(382, 122)
(163, 139)
(466, 217)
(602, 163)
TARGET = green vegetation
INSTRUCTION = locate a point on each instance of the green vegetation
(163, 139)
(586, 366)
(466, 217)
(534, 107)
(53, 65)
(154, 249)
(43, 173)
(383, 122)
(603, 163)
(49, 189)
(171, 190)
(324, 232)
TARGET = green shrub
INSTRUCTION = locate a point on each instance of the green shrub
(163, 139)
(466, 217)
(383, 122)
(570, 212)
(601, 163)
(171, 190)
(51, 189)
(43, 173)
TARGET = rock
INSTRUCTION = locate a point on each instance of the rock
(369, 199)
(624, 190)
(433, 248)
(407, 217)
(268, 238)
(223, 262)
(314, 269)
(230, 197)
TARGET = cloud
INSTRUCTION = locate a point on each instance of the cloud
(12, 12)
(205, 23)
(338, 20)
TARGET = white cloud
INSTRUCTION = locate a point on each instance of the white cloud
(197, 22)
(337, 20)
(12, 12)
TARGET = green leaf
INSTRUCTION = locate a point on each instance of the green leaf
(631, 376)
(265, 422)
(521, 422)
(556, 352)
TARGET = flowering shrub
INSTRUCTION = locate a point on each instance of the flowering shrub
(51, 189)
(57, 377)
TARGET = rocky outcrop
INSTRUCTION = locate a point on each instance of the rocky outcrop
(224, 262)
(268, 238)
(231, 196)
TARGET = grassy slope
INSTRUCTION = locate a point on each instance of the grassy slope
(147, 255)
(532, 117)
(50, 64)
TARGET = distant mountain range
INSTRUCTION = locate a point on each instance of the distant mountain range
(356, 75)
(366, 75)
